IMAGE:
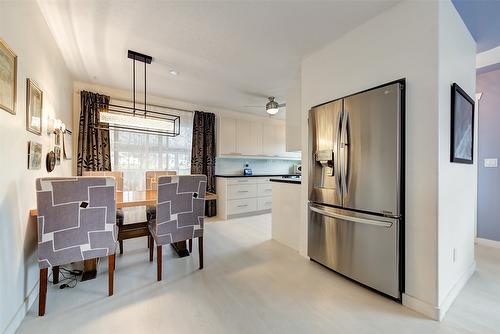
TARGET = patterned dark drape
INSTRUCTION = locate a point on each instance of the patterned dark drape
(203, 153)
(93, 144)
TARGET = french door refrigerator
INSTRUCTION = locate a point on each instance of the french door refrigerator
(356, 187)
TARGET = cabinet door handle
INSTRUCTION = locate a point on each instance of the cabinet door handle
(242, 205)
(267, 203)
(242, 191)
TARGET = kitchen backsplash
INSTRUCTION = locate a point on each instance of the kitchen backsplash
(234, 166)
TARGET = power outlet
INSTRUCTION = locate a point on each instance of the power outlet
(454, 255)
(491, 163)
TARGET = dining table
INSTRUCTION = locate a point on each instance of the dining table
(131, 199)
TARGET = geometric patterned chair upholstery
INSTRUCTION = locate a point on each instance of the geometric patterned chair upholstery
(180, 212)
(120, 216)
(152, 184)
(76, 222)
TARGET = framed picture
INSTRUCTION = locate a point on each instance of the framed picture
(462, 126)
(8, 78)
(57, 152)
(57, 137)
(34, 155)
(34, 105)
(67, 142)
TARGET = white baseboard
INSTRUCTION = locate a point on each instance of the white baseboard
(420, 306)
(16, 320)
(455, 290)
(488, 242)
(438, 312)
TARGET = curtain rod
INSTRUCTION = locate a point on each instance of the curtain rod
(150, 104)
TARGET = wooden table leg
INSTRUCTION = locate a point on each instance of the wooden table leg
(89, 269)
(180, 248)
(55, 274)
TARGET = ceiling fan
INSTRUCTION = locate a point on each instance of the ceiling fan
(271, 106)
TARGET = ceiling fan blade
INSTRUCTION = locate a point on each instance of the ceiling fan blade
(253, 106)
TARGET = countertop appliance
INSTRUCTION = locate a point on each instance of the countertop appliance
(297, 169)
(356, 180)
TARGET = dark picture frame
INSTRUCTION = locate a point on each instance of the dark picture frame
(34, 107)
(462, 126)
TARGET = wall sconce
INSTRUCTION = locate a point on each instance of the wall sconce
(55, 126)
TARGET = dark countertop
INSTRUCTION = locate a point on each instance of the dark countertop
(255, 175)
(285, 180)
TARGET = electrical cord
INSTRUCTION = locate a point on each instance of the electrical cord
(69, 278)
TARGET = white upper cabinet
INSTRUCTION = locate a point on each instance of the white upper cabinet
(256, 132)
(227, 136)
(264, 138)
(273, 140)
(248, 137)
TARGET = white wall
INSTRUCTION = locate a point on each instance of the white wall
(293, 117)
(457, 182)
(24, 29)
(402, 42)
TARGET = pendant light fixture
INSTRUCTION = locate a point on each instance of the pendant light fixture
(134, 119)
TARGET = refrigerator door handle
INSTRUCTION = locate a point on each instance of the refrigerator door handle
(336, 158)
(345, 145)
(350, 218)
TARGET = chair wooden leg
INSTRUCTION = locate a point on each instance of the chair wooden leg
(111, 273)
(42, 295)
(200, 250)
(190, 245)
(55, 274)
(151, 247)
(121, 246)
(159, 259)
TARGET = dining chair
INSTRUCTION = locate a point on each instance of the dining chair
(120, 216)
(152, 184)
(180, 212)
(76, 222)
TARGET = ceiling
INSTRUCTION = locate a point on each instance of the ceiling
(228, 54)
(482, 18)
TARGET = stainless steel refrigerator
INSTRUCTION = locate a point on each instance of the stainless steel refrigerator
(356, 187)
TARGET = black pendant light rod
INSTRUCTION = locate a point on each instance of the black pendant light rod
(134, 83)
(146, 60)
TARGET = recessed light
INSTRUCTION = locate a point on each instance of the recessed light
(174, 72)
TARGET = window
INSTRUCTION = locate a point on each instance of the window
(134, 153)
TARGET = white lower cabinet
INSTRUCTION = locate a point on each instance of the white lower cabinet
(243, 196)
(237, 191)
(237, 206)
(264, 189)
(265, 203)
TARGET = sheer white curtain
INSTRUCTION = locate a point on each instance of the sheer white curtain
(135, 153)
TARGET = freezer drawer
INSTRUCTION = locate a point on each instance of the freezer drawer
(360, 246)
